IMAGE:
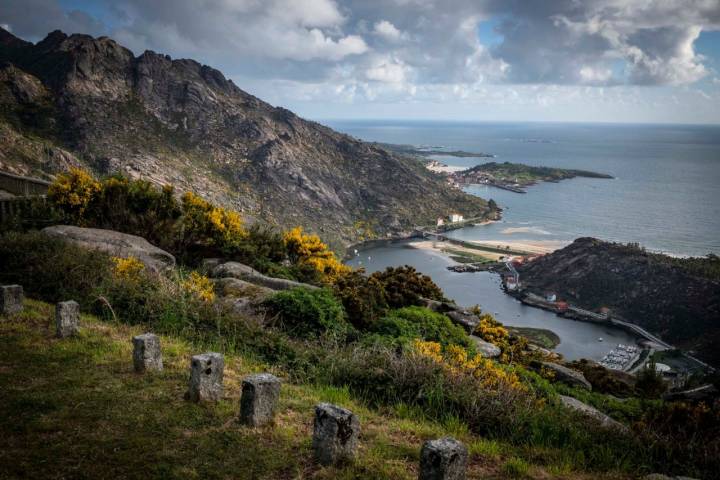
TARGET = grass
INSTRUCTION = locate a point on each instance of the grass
(74, 408)
(539, 336)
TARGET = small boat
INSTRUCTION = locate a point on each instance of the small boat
(600, 339)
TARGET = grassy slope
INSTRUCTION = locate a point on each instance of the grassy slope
(74, 408)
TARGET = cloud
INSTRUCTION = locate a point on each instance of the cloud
(388, 31)
(434, 51)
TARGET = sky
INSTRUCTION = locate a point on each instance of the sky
(649, 61)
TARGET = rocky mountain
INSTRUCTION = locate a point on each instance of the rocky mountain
(79, 100)
(675, 298)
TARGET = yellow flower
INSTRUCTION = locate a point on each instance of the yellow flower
(199, 286)
(73, 192)
(307, 249)
(455, 361)
(127, 268)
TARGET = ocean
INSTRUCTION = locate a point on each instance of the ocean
(665, 196)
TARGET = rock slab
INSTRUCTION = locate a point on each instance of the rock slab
(486, 349)
(260, 394)
(466, 320)
(592, 412)
(443, 459)
(11, 299)
(67, 319)
(206, 377)
(335, 434)
(566, 375)
(114, 243)
(147, 354)
(249, 274)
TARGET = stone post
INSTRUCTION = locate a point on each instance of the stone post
(206, 377)
(443, 459)
(11, 299)
(146, 353)
(67, 319)
(335, 434)
(260, 394)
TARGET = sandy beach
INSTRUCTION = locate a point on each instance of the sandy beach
(444, 168)
(525, 246)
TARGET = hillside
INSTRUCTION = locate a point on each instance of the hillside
(78, 100)
(678, 299)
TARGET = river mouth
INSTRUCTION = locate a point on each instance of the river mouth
(577, 339)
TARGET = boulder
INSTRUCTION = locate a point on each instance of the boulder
(67, 319)
(206, 377)
(336, 432)
(486, 349)
(443, 459)
(564, 375)
(114, 243)
(260, 394)
(706, 393)
(234, 287)
(592, 412)
(147, 354)
(11, 299)
(244, 272)
(465, 319)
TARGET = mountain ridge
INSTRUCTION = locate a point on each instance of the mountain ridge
(181, 122)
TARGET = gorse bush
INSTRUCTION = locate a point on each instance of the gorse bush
(405, 286)
(308, 313)
(73, 193)
(306, 250)
(117, 203)
(363, 297)
(206, 225)
(411, 323)
(192, 228)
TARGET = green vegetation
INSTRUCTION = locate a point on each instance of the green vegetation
(527, 174)
(362, 340)
(410, 323)
(405, 286)
(539, 336)
(307, 313)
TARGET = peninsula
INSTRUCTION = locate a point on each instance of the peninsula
(426, 151)
(516, 177)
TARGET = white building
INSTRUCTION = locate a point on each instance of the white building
(440, 222)
(456, 217)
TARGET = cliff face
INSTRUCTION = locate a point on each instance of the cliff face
(78, 100)
(678, 299)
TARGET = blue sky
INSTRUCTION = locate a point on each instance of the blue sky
(507, 60)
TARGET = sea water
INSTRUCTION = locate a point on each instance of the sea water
(665, 196)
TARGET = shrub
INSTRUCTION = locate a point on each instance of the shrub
(204, 224)
(313, 256)
(52, 270)
(363, 297)
(73, 193)
(136, 207)
(650, 383)
(404, 286)
(411, 323)
(305, 312)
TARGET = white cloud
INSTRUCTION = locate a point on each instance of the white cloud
(388, 31)
(387, 70)
(591, 75)
(6, 27)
